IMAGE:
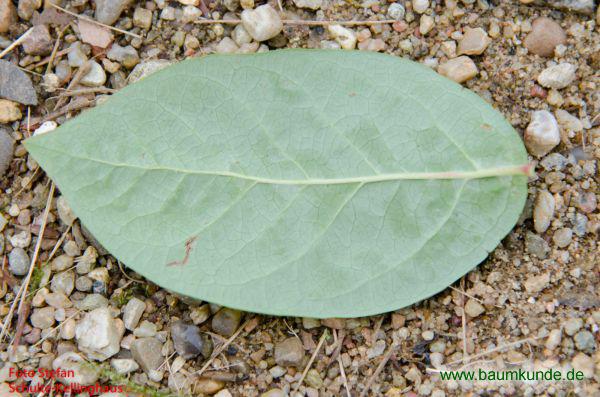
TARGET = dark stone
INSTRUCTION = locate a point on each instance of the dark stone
(15, 85)
(189, 342)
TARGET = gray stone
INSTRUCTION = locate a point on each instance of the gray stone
(562, 237)
(91, 302)
(108, 11)
(572, 325)
(536, 245)
(289, 353)
(132, 313)
(64, 211)
(396, 11)
(554, 162)
(581, 6)
(83, 374)
(63, 282)
(124, 366)
(39, 41)
(58, 300)
(147, 353)
(310, 4)
(226, 321)
(543, 211)
(95, 77)
(42, 318)
(7, 149)
(554, 338)
(98, 334)
(189, 342)
(585, 341)
(18, 262)
(128, 55)
(62, 262)
(15, 85)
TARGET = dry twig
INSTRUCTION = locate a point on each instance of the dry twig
(312, 358)
(15, 43)
(379, 368)
(300, 22)
(95, 22)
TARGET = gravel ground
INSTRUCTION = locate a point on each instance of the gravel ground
(534, 304)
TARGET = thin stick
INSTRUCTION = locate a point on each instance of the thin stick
(487, 352)
(69, 108)
(59, 243)
(47, 59)
(95, 22)
(312, 358)
(299, 22)
(82, 71)
(379, 368)
(15, 43)
(342, 371)
(465, 357)
(471, 296)
(9, 316)
(221, 348)
(55, 49)
(91, 90)
(38, 245)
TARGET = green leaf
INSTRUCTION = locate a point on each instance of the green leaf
(300, 182)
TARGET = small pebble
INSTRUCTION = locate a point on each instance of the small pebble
(189, 342)
(8, 15)
(473, 42)
(132, 313)
(562, 237)
(345, 37)
(459, 69)
(42, 318)
(420, 6)
(557, 76)
(543, 211)
(545, 35)
(9, 111)
(473, 308)
(95, 77)
(309, 4)
(262, 23)
(226, 321)
(18, 262)
(289, 353)
(542, 133)
(572, 325)
(535, 284)
(585, 341)
(396, 11)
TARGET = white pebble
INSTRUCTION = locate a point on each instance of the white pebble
(262, 23)
(346, 37)
(557, 76)
(542, 133)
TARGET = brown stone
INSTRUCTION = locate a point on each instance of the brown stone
(545, 35)
(8, 15)
(39, 41)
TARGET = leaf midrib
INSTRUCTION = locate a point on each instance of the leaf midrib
(477, 174)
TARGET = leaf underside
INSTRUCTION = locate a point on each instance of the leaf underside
(298, 182)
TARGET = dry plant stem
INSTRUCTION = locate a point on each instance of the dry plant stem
(471, 296)
(69, 108)
(59, 243)
(55, 49)
(15, 43)
(496, 349)
(22, 319)
(9, 316)
(338, 358)
(379, 368)
(221, 348)
(300, 22)
(38, 244)
(83, 70)
(93, 90)
(47, 59)
(312, 359)
(95, 22)
(465, 357)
